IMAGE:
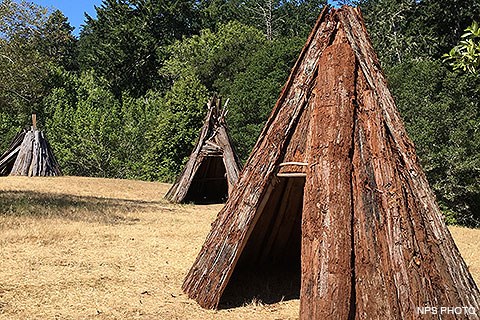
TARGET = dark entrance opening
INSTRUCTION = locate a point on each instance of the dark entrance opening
(269, 268)
(209, 185)
(7, 167)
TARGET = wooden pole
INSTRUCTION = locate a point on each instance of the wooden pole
(34, 121)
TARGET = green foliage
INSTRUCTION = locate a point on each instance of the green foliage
(22, 67)
(388, 23)
(239, 63)
(56, 41)
(214, 57)
(403, 30)
(213, 12)
(125, 44)
(177, 126)
(20, 19)
(60, 107)
(442, 114)
(84, 129)
(296, 18)
(466, 55)
(255, 90)
(441, 23)
(275, 18)
(95, 134)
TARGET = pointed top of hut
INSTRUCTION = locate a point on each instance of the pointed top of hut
(29, 154)
(333, 188)
(213, 166)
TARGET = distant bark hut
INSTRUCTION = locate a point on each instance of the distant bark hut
(213, 167)
(333, 186)
(29, 154)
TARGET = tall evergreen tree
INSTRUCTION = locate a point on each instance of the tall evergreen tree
(126, 42)
(56, 41)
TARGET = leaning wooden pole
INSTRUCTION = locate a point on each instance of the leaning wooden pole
(34, 121)
(328, 206)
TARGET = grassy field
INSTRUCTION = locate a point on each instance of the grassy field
(84, 248)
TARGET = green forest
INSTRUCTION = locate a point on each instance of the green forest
(126, 98)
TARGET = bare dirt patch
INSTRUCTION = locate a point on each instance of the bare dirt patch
(84, 248)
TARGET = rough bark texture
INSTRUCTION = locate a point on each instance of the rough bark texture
(327, 207)
(213, 167)
(374, 244)
(405, 256)
(29, 154)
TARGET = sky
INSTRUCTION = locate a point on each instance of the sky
(74, 10)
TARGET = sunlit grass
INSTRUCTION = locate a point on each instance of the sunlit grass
(81, 248)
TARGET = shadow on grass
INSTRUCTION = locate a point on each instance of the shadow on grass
(76, 208)
(264, 286)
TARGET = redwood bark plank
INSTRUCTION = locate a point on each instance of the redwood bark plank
(233, 166)
(327, 216)
(374, 223)
(24, 158)
(256, 244)
(33, 167)
(286, 234)
(296, 152)
(277, 222)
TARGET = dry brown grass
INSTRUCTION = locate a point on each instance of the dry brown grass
(81, 248)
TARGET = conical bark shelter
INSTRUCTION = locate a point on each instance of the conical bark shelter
(213, 167)
(29, 154)
(334, 181)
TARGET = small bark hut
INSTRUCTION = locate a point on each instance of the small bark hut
(213, 167)
(29, 154)
(333, 185)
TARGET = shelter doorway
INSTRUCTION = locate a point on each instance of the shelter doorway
(209, 185)
(269, 268)
(7, 169)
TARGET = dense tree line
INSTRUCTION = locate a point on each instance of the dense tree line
(127, 97)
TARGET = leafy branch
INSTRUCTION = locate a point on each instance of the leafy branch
(466, 55)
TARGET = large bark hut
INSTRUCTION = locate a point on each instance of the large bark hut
(213, 167)
(29, 154)
(373, 241)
